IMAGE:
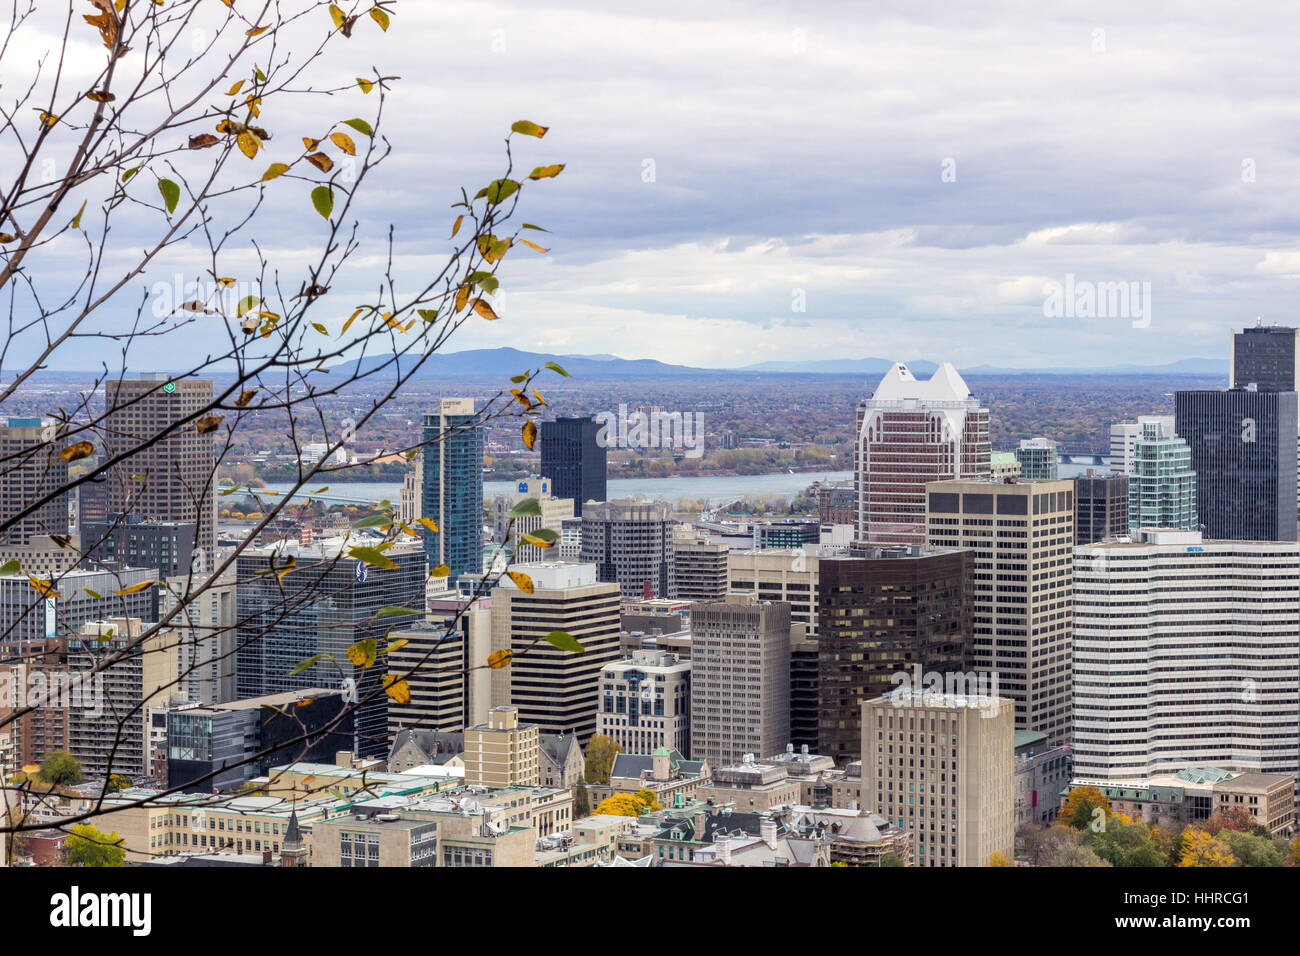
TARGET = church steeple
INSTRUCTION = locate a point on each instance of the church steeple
(293, 852)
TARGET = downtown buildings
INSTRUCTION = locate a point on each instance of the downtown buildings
(910, 432)
(453, 487)
(31, 469)
(573, 457)
(1187, 653)
(631, 543)
(1162, 489)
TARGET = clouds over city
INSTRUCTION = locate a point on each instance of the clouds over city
(756, 181)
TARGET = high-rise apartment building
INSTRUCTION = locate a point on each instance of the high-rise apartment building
(557, 690)
(109, 733)
(700, 568)
(30, 469)
(1100, 506)
(1243, 450)
(171, 478)
(1186, 654)
(1123, 435)
(886, 612)
(327, 603)
(910, 432)
(1161, 482)
(941, 768)
(1022, 536)
(740, 680)
(453, 487)
(410, 507)
(1038, 459)
(574, 459)
(631, 544)
(553, 512)
(646, 702)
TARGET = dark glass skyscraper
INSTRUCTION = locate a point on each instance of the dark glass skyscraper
(1100, 507)
(453, 487)
(1266, 358)
(1243, 445)
(574, 460)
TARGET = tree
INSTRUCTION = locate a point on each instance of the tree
(1074, 854)
(118, 782)
(1079, 808)
(890, 859)
(191, 203)
(1234, 818)
(999, 859)
(1201, 849)
(601, 751)
(620, 805)
(61, 769)
(581, 802)
(1251, 850)
(648, 799)
(87, 846)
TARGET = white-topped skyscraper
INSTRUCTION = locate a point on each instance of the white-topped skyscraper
(911, 431)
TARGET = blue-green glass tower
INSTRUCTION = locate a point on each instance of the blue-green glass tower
(453, 487)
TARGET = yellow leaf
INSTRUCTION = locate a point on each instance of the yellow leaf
(321, 162)
(397, 688)
(336, 15)
(49, 119)
(396, 645)
(499, 659)
(258, 31)
(44, 588)
(530, 435)
(380, 17)
(235, 89)
(77, 451)
(363, 653)
(344, 142)
(529, 129)
(441, 571)
(522, 581)
(136, 588)
(225, 281)
(456, 227)
(248, 143)
(483, 309)
(275, 169)
(366, 85)
(546, 172)
(534, 246)
(245, 398)
(428, 523)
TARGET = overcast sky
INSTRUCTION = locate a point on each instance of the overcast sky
(912, 175)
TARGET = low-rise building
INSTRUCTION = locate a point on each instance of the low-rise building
(665, 772)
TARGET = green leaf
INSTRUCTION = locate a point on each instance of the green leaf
(322, 197)
(373, 521)
(546, 534)
(564, 641)
(11, 567)
(529, 225)
(500, 189)
(555, 367)
(126, 176)
(93, 593)
(171, 193)
(306, 665)
(529, 129)
(245, 305)
(373, 557)
(393, 610)
(380, 17)
(361, 126)
(528, 506)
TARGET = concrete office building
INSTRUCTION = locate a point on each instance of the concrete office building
(910, 432)
(503, 751)
(886, 612)
(1187, 653)
(631, 543)
(178, 468)
(1038, 459)
(646, 702)
(557, 690)
(207, 634)
(700, 567)
(940, 767)
(553, 513)
(30, 469)
(740, 679)
(788, 575)
(1022, 536)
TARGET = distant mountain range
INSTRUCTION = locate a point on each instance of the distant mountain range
(490, 364)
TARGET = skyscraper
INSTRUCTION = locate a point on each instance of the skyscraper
(1186, 653)
(1100, 506)
(1243, 450)
(740, 680)
(1266, 357)
(556, 689)
(327, 603)
(885, 613)
(700, 568)
(170, 479)
(1161, 482)
(631, 543)
(30, 468)
(1022, 535)
(453, 487)
(910, 432)
(574, 460)
(1123, 435)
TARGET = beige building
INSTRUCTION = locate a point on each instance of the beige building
(646, 702)
(502, 752)
(740, 679)
(410, 506)
(751, 786)
(672, 778)
(1021, 534)
(554, 512)
(556, 689)
(788, 575)
(206, 630)
(178, 468)
(107, 729)
(940, 768)
(30, 469)
(701, 567)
